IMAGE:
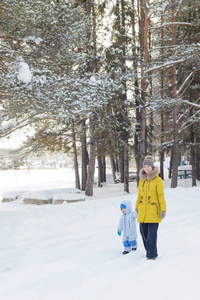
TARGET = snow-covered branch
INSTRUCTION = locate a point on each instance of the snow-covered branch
(188, 79)
(168, 47)
(189, 122)
(171, 23)
(191, 103)
(169, 64)
(7, 130)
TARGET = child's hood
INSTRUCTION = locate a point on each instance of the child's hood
(128, 206)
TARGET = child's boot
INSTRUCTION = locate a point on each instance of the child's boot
(125, 252)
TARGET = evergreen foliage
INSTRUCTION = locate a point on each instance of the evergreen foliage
(130, 68)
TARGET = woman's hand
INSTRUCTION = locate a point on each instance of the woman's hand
(163, 214)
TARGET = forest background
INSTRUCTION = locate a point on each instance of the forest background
(101, 78)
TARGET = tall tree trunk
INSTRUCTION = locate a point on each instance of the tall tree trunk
(144, 54)
(175, 159)
(77, 179)
(104, 169)
(121, 164)
(113, 167)
(175, 163)
(100, 175)
(150, 116)
(84, 155)
(91, 166)
(197, 160)
(125, 134)
(161, 150)
(170, 165)
(91, 68)
(192, 151)
(126, 169)
(136, 85)
(161, 115)
(193, 156)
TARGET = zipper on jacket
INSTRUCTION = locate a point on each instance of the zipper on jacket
(143, 186)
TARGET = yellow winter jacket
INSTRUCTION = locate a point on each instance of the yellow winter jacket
(150, 200)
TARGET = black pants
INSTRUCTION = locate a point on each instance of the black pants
(149, 235)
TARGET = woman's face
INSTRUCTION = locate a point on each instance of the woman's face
(147, 169)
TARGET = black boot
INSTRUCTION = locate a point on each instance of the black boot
(125, 252)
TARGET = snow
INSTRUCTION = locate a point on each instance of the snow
(72, 251)
(33, 39)
(24, 74)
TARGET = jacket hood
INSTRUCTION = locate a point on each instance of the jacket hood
(128, 206)
(143, 176)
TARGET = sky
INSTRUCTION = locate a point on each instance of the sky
(72, 251)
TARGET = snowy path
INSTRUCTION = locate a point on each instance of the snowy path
(72, 251)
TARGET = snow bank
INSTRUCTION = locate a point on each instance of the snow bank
(68, 197)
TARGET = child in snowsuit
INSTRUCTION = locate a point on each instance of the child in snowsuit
(127, 225)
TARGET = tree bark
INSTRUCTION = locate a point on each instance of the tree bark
(84, 156)
(121, 164)
(197, 160)
(91, 166)
(113, 167)
(126, 169)
(192, 151)
(104, 169)
(175, 163)
(77, 178)
(175, 150)
(161, 150)
(100, 175)
(170, 165)
(136, 85)
(145, 55)
(161, 115)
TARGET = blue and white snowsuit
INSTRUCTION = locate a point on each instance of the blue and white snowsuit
(127, 224)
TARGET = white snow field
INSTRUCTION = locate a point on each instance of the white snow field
(72, 251)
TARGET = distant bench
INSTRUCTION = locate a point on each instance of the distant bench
(132, 176)
(184, 171)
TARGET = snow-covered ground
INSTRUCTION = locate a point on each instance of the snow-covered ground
(72, 251)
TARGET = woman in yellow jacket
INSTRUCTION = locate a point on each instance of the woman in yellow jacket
(150, 205)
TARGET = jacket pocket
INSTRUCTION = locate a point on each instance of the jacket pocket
(153, 203)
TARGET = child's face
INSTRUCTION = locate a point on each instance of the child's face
(124, 210)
